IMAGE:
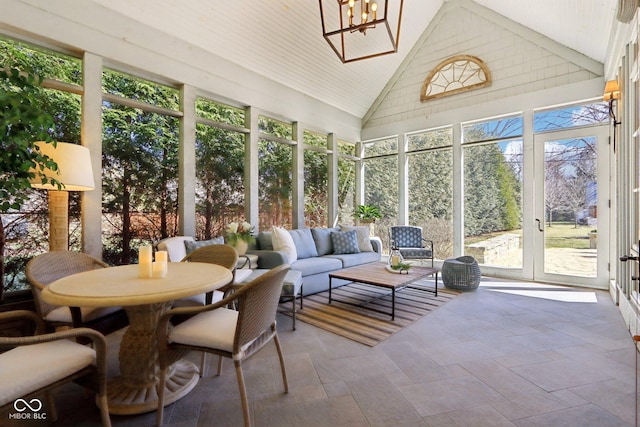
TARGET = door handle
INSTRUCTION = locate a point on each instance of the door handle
(540, 229)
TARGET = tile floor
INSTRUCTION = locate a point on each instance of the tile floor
(490, 357)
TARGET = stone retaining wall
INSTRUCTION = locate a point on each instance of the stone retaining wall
(490, 250)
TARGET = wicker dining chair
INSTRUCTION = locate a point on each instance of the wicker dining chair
(46, 268)
(223, 255)
(35, 365)
(228, 333)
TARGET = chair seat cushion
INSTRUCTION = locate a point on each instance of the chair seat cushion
(213, 329)
(415, 253)
(28, 368)
(63, 314)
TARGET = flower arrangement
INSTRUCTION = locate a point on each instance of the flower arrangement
(237, 231)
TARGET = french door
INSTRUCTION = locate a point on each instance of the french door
(570, 228)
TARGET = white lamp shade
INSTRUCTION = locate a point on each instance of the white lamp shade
(74, 167)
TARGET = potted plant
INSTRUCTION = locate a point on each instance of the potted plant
(23, 123)
(366, 214)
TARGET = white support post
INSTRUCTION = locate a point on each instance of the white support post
(187, 163)
(91, 137)
(251, 165)
(297, 184)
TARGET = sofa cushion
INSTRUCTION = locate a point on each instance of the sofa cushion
(362, 231)
(191, 245)
(305, 246)
(315, 265)
(345, 242)
(350, 260)
(322, 239)
(265, 241)
(175, 247)
(282, 241)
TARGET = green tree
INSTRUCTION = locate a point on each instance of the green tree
(139, 167)
(220, 178)
(23, 121)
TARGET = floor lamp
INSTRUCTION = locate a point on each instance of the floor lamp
(75, 172)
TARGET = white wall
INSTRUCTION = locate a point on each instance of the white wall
(528, 71)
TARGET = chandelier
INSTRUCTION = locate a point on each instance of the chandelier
(361, 29)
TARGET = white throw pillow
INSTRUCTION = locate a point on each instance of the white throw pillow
(282, 241)
(362, 232)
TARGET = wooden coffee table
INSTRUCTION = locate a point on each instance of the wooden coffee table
(376, 274)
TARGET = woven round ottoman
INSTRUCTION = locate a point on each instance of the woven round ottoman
(461, 273)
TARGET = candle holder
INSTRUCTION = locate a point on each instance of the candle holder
(395, 257)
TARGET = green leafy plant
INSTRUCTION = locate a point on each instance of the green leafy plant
(22, 123)
(368, 213)
(403, 266)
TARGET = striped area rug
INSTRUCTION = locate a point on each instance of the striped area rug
(361, 323)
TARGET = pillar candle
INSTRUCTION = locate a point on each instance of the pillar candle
(145, 255)
(162, 257)
(159, 270)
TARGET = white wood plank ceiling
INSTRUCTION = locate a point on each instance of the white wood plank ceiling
(282, 39)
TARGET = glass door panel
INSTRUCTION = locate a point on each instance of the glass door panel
(571, 202)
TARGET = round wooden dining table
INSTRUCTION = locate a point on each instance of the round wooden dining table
(134, 390)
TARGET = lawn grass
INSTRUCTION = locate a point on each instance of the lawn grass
(558, 235)
(567, 235)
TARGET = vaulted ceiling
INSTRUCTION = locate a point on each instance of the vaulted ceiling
(282, 39)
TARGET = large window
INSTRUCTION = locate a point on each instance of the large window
(315, 180)
(493, 191)
(219, 168)
(346, 182)
(139, 164)
(430, 187)
(26, 230)
(381, 182)
(275, 160)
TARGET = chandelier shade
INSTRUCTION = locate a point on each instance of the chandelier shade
(361, 29)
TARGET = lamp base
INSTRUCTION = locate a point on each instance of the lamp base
(58, 220)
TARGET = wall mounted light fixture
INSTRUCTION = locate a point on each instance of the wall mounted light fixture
(612, 93)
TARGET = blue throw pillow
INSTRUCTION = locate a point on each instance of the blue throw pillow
(305, 246)
(345, 242)
(191, 246)
(322, 237)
